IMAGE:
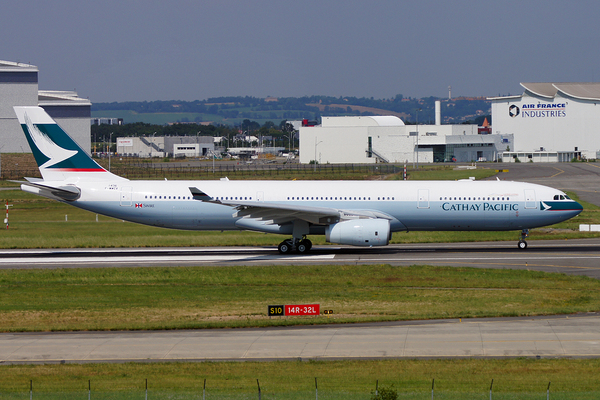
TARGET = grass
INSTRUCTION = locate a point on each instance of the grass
(454, 379)
(219, 297)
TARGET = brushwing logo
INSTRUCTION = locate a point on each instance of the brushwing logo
(46, 146)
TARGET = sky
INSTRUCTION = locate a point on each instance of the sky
(128, 50)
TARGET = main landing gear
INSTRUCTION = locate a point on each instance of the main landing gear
(522, 243)
(299, 245)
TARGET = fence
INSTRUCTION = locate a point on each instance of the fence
(138, 170)
(309, 389)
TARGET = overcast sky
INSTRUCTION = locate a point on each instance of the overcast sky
(186, 50)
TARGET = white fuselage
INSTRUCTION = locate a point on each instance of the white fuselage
(409, 205)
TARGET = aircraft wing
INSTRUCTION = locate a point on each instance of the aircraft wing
(280, 213)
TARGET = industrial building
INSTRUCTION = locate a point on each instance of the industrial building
(19, 87)
(372, 139)
(551, 122)
(172, 146)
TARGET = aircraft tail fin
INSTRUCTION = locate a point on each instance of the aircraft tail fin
(57, 155)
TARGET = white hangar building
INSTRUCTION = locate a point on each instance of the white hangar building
(550, 121)
(19, 87)
(387, 139)
(176, 146)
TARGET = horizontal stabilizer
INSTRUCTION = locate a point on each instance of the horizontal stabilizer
(59, 192)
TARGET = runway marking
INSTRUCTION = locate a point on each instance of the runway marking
(561, 171)
(529, 265)
(485, 258)
(160, 259)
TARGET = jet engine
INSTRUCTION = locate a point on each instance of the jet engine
(360, 232)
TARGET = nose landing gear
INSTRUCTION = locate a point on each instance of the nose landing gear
(522, 243)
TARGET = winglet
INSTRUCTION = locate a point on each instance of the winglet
(199, 194)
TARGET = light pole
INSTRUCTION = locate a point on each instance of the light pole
(152, 146)
(417, 123)
(109, 149)
(316, 144)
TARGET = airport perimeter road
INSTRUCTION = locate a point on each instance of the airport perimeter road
(576, 256)
(574, 336)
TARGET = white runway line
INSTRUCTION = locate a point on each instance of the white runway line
(160, 259)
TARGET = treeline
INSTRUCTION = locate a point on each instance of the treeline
(101, 133)
(240, 107)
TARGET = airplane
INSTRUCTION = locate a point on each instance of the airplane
(359, 213)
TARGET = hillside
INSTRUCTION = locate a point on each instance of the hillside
(233, 110)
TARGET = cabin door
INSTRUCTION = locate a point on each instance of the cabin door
(530, 198)
(126, 196)
(423, 196)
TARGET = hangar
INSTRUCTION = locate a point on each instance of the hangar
(550, 121)
(19, 87)
(160, 146)
(372, 139)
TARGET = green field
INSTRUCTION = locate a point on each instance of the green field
(521, 379)
(219, 297)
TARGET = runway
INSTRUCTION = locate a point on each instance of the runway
(574, 336)
(576, 256)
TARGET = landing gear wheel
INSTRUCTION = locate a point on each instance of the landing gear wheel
(522, 244)
(306, 243)
(302, 247)
(285, 247)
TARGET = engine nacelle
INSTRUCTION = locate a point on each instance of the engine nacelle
(360, 232)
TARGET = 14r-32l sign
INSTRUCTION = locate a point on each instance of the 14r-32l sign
(294, 309)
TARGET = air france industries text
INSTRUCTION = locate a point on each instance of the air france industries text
(543, 110)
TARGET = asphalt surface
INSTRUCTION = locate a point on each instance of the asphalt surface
(566, 337)
(581, 178)
(577, 256)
